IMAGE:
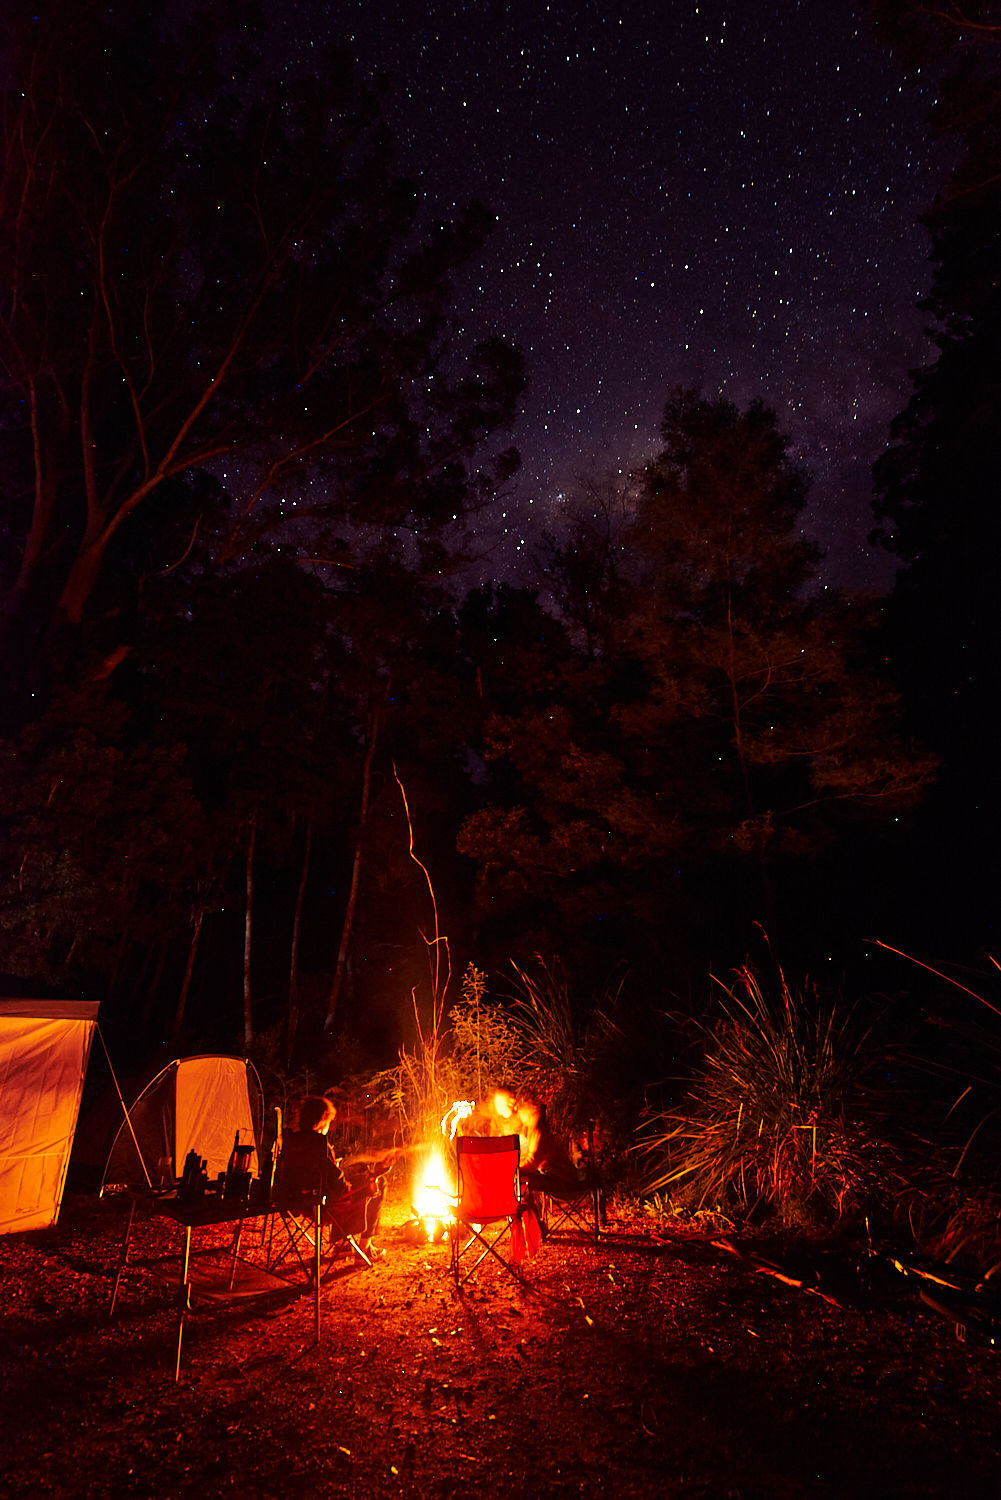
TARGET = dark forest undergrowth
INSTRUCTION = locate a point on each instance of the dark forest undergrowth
(658, 1364)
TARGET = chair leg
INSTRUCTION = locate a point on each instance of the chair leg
(317, 1233)
(584, 1211)
(295, 1232)
(338, 1236)
(489, 1248)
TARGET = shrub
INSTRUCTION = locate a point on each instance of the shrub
(779, 1117)
(576, 1055)
(486, 1046)
(953, 1203)
(460, 1055)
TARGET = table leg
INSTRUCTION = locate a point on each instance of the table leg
(184, 1298)
(122, 1258)
(236, 1252)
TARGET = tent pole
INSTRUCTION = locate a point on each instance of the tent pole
(125, 1111)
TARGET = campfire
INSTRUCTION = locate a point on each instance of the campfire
(433, 1197)
(434, 1191)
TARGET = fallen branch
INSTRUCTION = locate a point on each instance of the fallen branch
(766, 1268)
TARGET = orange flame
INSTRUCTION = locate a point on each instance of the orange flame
(433, 1196)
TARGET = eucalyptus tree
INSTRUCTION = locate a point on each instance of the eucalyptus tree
(209, 265)
(232, 398)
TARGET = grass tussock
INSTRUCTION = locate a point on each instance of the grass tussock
(779, 1120)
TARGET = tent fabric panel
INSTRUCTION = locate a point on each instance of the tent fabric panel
(193, 1104)
(213, 1103)
(51, 1010)
(42, 1067)
(142, 1153)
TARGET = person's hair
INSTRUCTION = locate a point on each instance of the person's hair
(315, 1112)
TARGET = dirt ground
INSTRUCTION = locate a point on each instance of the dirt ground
(660, 1364)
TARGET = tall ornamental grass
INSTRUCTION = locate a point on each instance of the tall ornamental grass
(779, 1119)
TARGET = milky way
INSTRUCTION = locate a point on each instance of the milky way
(722, 194)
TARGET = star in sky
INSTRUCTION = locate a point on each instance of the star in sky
(714, 194)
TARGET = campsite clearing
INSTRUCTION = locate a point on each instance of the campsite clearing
(656, 1365)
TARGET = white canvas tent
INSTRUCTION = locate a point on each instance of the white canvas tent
(44, 1047)
(193, 1104)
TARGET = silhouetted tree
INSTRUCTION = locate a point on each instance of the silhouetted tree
(203, 265)
(763, 670)
(736, 724)
(582, 563)
(237, 438)
(937, 485)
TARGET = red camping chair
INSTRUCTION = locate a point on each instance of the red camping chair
(489, 1196)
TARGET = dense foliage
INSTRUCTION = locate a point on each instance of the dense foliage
(675, 774)
(937, 484)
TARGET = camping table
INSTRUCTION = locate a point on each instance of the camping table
(189, 1215)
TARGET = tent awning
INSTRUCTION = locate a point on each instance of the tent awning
(44, 1047)
(51, 1010)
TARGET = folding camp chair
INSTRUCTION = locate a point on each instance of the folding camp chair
(300, 1212)
(582, 1205)
(489, 1195)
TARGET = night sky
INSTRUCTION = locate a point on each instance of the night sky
(722, 194)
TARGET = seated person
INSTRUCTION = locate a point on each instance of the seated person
(546, 1168)
(501, 1113)
(497, 1114)
(308, 1164)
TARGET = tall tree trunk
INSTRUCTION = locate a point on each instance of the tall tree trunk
(80, 580)
(120, 955)
(140, 978)
(189, 968)
(337, 983)
(293, 967)
(154, 985)
(43, 505)
(764, 864)
(248, 922)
